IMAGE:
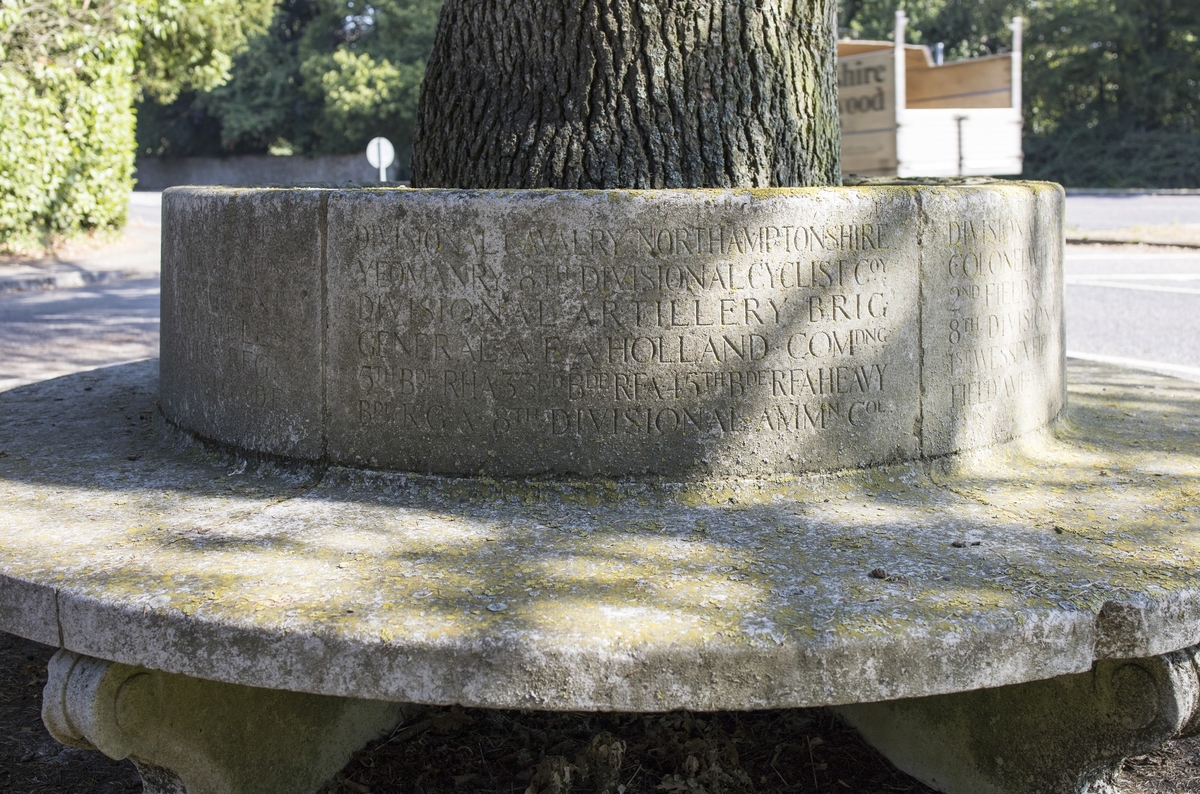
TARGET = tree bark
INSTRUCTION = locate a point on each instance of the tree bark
(630, 94)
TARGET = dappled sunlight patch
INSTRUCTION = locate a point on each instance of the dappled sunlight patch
(391, 580)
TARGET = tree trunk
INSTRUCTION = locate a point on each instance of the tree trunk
(630, 94)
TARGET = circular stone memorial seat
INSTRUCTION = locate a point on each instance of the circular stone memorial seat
(613, 333)
(437, 447)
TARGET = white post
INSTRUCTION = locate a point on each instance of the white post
(382, 167)
(901, 76)
(381, 154)
(1017, 28)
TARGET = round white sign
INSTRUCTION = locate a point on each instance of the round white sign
(381, 154)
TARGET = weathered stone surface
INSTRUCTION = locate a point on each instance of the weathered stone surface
(1065, 735)
(612, 333)
(552, 594)
(241, 316)
(188, 736)
(681, 333)
(992, 318)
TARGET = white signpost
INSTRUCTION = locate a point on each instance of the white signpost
(381, 154)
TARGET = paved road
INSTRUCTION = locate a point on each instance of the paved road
(145, 208)
(48, 333)
(1135, 305)
(1122, 212)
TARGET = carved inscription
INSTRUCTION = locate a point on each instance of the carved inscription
(614, 333)
(1001, 325)
(608, 332)
(241, 312)
(228, 337)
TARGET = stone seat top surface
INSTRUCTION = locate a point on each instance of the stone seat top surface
(122, 538)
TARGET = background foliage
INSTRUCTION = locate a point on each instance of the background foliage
(70, 71)
(325, 78)
(1112, 87)
(65, 118)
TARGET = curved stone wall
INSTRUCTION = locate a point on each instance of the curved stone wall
(612, 333)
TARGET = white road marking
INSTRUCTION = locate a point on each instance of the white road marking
(1139, 287)
(1160, 367)
(1133, 277)
(1082, 256)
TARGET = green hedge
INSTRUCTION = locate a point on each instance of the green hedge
(66, 153)
(69, 74)
(1125, 159)
(66, 119)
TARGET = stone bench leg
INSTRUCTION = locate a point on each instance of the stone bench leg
(1065, 735)
(190, 736)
